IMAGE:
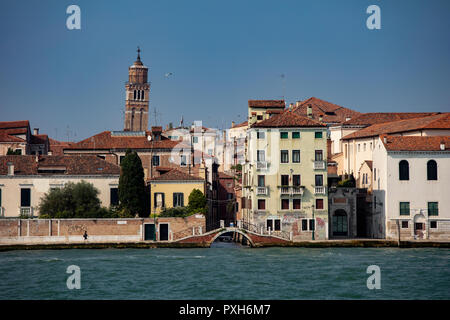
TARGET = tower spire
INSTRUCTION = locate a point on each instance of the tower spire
(139, 54)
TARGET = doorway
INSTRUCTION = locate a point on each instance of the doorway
(419, 228)
(149, 231)
(163, 231)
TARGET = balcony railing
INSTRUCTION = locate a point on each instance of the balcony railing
(262, 191)
(26, 211)
(319, 190)
(319, 165)
(261, 165)
(291, 190)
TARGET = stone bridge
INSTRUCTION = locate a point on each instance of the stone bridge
(254, 239)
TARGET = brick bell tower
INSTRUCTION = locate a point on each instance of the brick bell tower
(137, 97)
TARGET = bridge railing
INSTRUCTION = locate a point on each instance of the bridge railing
(188, 232)
(258, 229)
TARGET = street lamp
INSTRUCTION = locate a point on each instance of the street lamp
(314, 223)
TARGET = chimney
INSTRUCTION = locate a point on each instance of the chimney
(297, 104)
(309, 111)
(291, 106)
(385, 139)
(36, 131)
(232, 124)
(320, 117)
(10, 169)
(442, 145)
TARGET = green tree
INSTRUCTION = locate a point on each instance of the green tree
(197, 202)
(10, 151)
(132, 190)
(74, 200)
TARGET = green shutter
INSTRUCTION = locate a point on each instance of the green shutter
(404, 208)
(295, 135)
(318, 135)
(433, 209)
(284, 135)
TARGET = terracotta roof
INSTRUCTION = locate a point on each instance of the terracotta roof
(242, 124)
(4, 137)
(39, 139)
(438, 121)
(287, 119)
(416, 143)
(105, 140)
(332, 113)
(14, 124)
(369, 163)
(366, 119)
(71, 165)
(266, 103)
(223, 175)
(176, 175)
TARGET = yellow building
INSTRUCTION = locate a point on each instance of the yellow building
(172, 189)
(285, 176)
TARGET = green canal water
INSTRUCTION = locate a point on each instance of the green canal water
(226, 272)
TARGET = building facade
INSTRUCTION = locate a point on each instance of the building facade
(285, 176)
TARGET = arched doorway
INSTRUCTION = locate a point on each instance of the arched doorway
(340, 223)
(419, 226)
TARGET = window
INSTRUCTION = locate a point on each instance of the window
(178, 199)
(359, 147)
(403, 167)
(318, 135)
(304, 224)
(259, 117)
(155, 161)
(433, 209)
(25, 197)
(260, 135)
(114, 196)
(319, 204)
(194, 139)
(319, 180)
(284, 156)
(261, 204)
(431, 170)
(284, 135)
(229, 196)
(296, 156)
(433, 224)
(284, 204)
(284, 180)
(260, 155)
(158, 201)
(405, 224)
(364, 148)
(277, 223)
(135, 96)
(295, 135)
(404, 208)
(269, 224)
(296, 180)
(374, 174)
(261, 181)
(296, 204)
(183, 161)
(318, 155)
(340, 224)
(311, 224)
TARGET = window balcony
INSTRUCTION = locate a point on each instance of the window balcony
(319, 190)
(261, 165)
(26, 211)
(319, 165)
(291, 190)
(262, 191)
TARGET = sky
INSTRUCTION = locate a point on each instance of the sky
(71, 83)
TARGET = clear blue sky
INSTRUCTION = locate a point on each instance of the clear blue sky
(221, 54)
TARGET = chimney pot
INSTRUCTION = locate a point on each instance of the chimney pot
(36, 131)
(385, 139)
(297, 104)
(10, 169)
(232, 124)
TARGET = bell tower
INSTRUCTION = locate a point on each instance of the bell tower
(137, 96)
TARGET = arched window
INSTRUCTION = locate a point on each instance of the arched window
(340, 225)
(431, 170)
(142, 94)
(403, 170)
(134, 94)
(141, 119)
(132, 120)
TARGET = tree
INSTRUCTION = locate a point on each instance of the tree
(132, 193)
(74, 200)
(197, 202)
(10, 151)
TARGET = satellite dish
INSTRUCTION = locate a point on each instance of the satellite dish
(149, 138)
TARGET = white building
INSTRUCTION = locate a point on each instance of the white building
(24, 180)
(411, 183)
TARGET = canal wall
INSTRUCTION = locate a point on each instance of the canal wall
(54, 231)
